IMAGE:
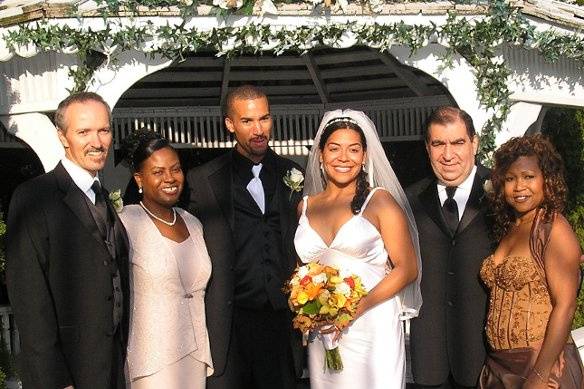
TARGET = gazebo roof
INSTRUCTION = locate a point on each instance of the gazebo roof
(325, 75)
(561, 13)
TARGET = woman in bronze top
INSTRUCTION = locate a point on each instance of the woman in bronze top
(533, 275)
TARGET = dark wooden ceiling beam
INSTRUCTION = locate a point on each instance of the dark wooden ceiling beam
(354, 71)
(343, 57)
(409, 78)
(225, 81)
(317, 80)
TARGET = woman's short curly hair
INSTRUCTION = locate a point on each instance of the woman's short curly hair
(549, 162)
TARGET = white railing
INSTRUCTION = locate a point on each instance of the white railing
(294, 125)
(10, 335)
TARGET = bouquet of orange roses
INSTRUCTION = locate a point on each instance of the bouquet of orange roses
(320, 298)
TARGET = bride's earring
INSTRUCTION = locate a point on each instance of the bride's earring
(363, 168)
(322, 170)
(140, 189)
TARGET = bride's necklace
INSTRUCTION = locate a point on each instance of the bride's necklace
(160, 219)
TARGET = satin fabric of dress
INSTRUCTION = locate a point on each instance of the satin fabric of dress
(508, 369)
(372, 347)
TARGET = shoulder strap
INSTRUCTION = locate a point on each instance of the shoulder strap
(369, 196)
(304, 204)
(539, 239)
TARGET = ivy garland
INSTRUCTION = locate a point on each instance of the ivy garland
(477, 41)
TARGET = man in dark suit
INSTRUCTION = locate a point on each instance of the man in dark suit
(249, 219)
(447, 344)
(67, 269)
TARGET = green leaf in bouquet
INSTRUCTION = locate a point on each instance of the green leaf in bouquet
(312, 307)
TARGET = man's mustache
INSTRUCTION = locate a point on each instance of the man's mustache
(96, 149)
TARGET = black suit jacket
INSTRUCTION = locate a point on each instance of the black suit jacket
(59, 278)
(448, 334)
(212, 202)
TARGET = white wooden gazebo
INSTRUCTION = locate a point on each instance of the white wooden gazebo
(182, 97)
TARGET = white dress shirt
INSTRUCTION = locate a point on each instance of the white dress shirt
(81, 177)
(462, 192)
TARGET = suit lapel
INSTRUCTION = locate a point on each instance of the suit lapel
(284, 202)
(220, 182)
(431, 203)
(474, 203)
(74, 200)
(120, 236)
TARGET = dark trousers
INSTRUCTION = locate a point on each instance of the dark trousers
(259, 355)
(118, 358)
(449, 384)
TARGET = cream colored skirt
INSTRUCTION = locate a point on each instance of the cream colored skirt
(186, 373)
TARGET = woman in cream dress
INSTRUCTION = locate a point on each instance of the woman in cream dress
(168, 346)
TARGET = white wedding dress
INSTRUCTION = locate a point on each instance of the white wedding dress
(372, 347)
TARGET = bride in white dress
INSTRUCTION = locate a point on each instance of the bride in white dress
(356, 217)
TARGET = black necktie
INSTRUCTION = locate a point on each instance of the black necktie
(101, 207)
(450, 209)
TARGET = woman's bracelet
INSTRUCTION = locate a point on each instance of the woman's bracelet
(539, 375)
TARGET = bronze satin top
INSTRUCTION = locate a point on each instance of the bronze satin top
(519, 303)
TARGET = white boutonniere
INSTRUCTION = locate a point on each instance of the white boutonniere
(294, 180)
(488, 186)
(116, 200)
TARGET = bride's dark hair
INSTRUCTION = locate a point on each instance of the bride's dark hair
(363, 187)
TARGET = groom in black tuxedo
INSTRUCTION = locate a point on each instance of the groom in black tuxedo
(249, 220)
(450, 208)
(67, 262)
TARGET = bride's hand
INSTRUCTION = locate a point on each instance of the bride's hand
(361, 308)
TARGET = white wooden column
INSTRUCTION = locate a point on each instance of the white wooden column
(458, 79)
(33, 84)
(521, 116)
(111, 81)
(39, 133)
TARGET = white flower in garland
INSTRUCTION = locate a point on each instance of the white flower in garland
(376, 5)
(268, 7)
(228, 4)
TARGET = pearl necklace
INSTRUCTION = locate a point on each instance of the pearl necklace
(160, 219)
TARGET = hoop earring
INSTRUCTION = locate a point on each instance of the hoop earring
(363, 168)
(322, 170)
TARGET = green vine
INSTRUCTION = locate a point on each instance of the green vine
(478, 41)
